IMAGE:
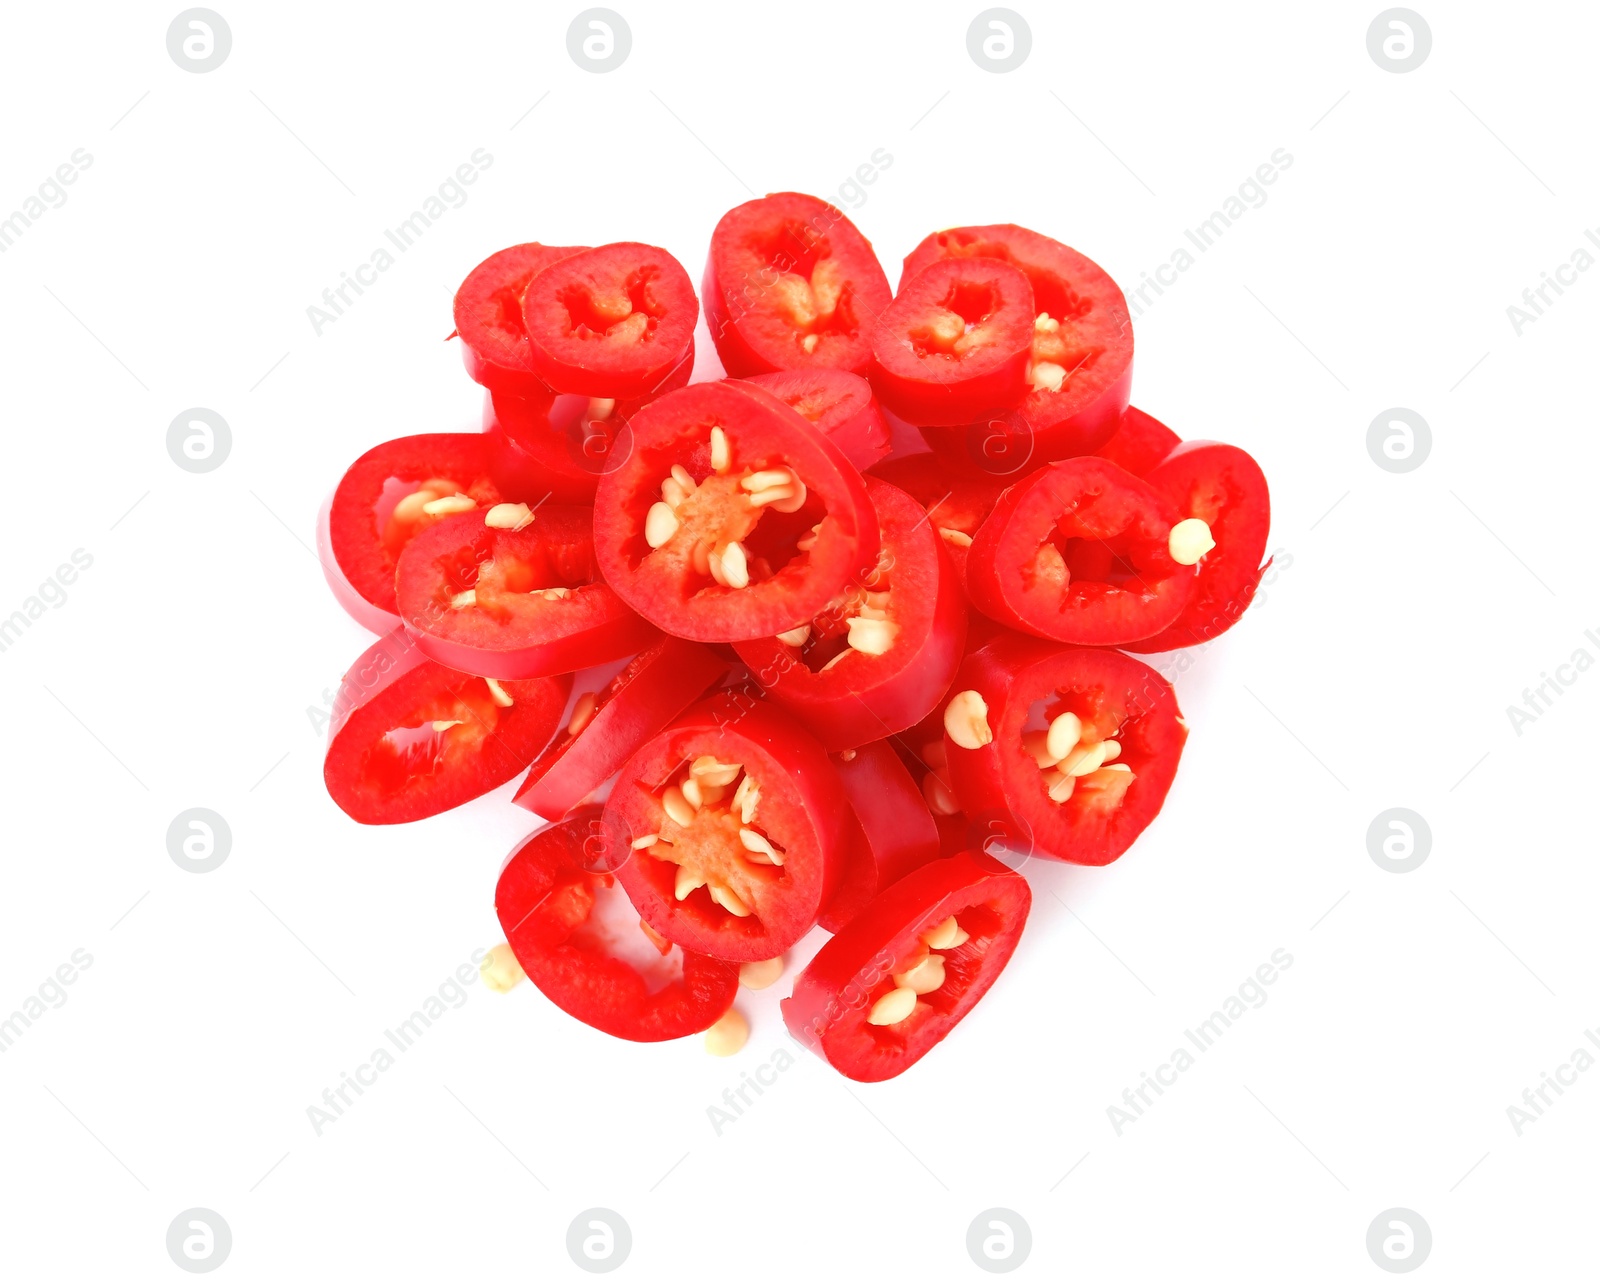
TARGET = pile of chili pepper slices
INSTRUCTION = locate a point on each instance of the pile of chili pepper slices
(760, 671)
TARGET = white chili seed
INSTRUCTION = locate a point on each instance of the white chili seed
(796, 636)
(582, 712)
(677, 806)
(660, 524)
(936, 792)
(508, 516)
(500, 969)
(760, 974)
(686, 883)
(724, 895)
(753, 841)
(1189, 540)
(955, 538)
(966, 720)
(947, 934)
(1065, 731)
(721, 455)
(1046, 375)
(871, 636)
(497, 693)
(925, 976)
(728, 1035)
(464, 600)
(439, 727)
(892, 1007)
(449, 505)
(735, 569)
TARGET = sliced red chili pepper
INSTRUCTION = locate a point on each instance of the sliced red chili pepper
(1081, 551)
(579, 941)
(1082, 746)
(908, 968)
(730, 517)
(381, 502)
(838, 404)
(955, 342)
(894, 832)
(957, 500)
(738, 823)
(881, 654)
(791, 284)
(511, 593)
(488, 314)
(1224, 487)
(563, 446)
(655, 687)
(1080, 371)
(410, 738)
(1139, 443)
(613, 321)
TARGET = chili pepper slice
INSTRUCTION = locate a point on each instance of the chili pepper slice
(838, 404)
(488, 315)
(610, 322)
(730, 517)
(1224, 487)
(1139, 443)
(1065, 753)
(881, 654)
(955, 342)
(1080, 370)
(562, 446)
(894, 831)
(513, 593)
(1085, 552)
(388, 495)
(909, 967)
(737, 823)
(790, 283)
(581, 944)
(609, 726)
(410, 738)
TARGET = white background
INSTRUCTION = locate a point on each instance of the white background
(1410, 611)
